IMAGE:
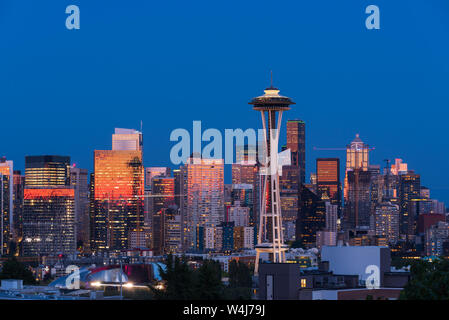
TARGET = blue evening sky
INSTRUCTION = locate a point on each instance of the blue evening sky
(168, 63)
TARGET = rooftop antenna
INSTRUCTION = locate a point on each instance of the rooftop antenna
(271, 81)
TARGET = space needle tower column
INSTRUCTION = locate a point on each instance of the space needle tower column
(270, 236)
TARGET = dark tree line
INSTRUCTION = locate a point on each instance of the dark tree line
(14, 269)
(181, 282)
(428, 281)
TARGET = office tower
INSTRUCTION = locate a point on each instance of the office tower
(202, 201)
(270, 235)
(78, 179)
(358, 205)
(118, 192)
(357, 159)
(163, 194)
(151, 172)
(19, 185)
(49, 221)
(127, 139)
(296, 142)
(331, 216)
(47, 171)
(357, 186)
(328, 180)
(409, 189)
(290, 184)
(6, 204)
(49, 226)
(387, 221)
(311, 217)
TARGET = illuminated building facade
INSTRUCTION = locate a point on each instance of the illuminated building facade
(48, 170)
(6, 203)
(202, 201)
(387, 221)
(311, 217)
(118, 190)
(163, 194)
(79, 181)
(151, 172)
(19, 185)
(296, 142)
(409, 189)
(49, 221)
(357, 159)
(328, 180)
(49, 225)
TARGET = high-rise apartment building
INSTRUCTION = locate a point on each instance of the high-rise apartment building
(387, 221)
(202, 201)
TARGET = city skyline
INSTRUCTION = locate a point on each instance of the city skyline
(396, 76)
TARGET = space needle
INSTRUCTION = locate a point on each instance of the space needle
(270, 237)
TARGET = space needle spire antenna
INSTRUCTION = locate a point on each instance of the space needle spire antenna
(270, 238)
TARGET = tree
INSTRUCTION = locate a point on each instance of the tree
(177, 279)
(240, 281)
(239, 275)
(208, 285)
(428, 281)
(13, 269)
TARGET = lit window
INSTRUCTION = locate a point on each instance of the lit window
(303, 283)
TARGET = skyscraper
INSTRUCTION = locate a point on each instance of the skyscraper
(328, 180)
(409, 189)
(6, 203)
(387, 221)
(357, 185)
(19, 186)
(296, 142)
(78, 179)
(202, 201)
(118, 193)
(311, 217)
(163, 192)
(357, 159)
(48, 211)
